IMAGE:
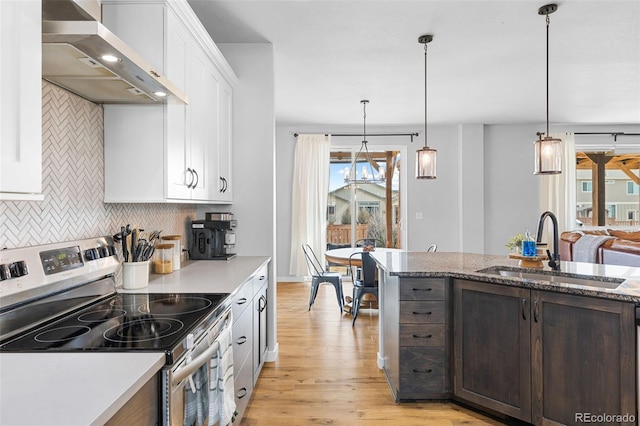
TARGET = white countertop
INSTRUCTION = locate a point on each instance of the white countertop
(204, 276)
(70, 388)
(90, 387)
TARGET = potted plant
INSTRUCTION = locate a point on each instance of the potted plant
(515, 243)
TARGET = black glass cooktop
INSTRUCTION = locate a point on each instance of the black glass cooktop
(153, 322)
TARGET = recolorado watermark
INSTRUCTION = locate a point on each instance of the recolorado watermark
(604, 418)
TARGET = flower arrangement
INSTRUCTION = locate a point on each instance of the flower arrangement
(515, 242)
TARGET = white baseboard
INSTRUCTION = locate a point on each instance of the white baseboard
(272, 356)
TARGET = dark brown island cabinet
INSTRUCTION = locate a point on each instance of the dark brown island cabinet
(416, 337)
(544, 357)
(541, 357)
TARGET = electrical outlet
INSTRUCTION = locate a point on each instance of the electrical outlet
(419, 215)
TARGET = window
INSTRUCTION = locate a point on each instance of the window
(370, 206)
(632, 188)
(331, 213)
(631, 215)
(586, 186)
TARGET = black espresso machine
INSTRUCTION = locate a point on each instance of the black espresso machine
(214, 237)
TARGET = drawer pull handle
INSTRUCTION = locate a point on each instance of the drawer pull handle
(242, 392)
(242, 301)
(422, 313)
(422, 336)
(262, 277)
(422, 289)
(417, 370)
(241, 340)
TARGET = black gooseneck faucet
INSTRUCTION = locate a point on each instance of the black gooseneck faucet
(554, 260)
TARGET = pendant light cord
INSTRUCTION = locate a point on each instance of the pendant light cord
(548, 20)
(425, 96)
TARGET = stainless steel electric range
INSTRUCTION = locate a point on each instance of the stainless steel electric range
(62, 298)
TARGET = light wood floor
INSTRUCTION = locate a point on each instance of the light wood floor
(326, 372)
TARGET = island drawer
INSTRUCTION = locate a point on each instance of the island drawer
(422, 335)
(423, 312)
(422, 370)
(423, 289)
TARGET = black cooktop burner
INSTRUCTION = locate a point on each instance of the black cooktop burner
(156, 321)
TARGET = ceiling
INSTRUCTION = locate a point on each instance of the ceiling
(486, 63)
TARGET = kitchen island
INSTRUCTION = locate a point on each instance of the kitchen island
(83, 388)
(475, 329)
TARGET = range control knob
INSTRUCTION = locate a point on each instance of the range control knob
(103, 251)
(18, 269)
(91, 254)
(5, 274)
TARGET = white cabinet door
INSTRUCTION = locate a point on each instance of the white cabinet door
(225, 189)
(20, 100)
(179, 45)
(203, 125)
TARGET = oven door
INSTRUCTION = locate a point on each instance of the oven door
(185, 392)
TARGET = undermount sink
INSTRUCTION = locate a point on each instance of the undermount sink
(554, 277)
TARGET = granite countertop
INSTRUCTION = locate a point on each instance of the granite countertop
(467, 265)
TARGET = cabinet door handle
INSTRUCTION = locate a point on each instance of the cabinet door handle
(241, 340)
(189, 185)
(242, 392)
(262, 278)
(535, 311)
(422, 289)
(422, 313)
(197, 178)
(422, 336)
(221, 184)
(524, 310)
(226, 184)
(262, 303)
(418, 370)
(242, 301)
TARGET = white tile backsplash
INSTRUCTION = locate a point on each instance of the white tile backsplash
(73, 183)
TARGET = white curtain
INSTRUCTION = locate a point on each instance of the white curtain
(309, 199)
(558, 192)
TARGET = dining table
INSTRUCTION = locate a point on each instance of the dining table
(345, 256)
(341, 256)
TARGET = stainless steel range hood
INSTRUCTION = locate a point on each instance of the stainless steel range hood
(74, 43)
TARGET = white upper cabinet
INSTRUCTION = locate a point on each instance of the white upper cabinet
(20, 100)
(173, 153)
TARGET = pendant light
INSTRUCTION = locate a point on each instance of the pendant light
(547, 150)
(371, 172)
(425, 157)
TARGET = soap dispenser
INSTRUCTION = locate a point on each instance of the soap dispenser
(528, 244)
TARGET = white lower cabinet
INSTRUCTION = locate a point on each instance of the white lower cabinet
(173, 150)
(249, 335)
(20, 100)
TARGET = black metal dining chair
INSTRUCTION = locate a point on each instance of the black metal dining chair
(364, 284)
(320, 276)
(366, 242)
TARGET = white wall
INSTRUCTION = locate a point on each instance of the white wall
(254, 162)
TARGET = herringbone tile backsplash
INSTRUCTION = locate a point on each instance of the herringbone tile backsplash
(73, 184)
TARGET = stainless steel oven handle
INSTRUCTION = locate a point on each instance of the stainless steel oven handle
(182, 373)
(199, 361)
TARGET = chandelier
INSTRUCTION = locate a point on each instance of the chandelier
(370, 172)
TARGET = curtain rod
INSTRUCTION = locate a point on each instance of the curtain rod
(412, 135)
(607, 133)
(614, 134)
